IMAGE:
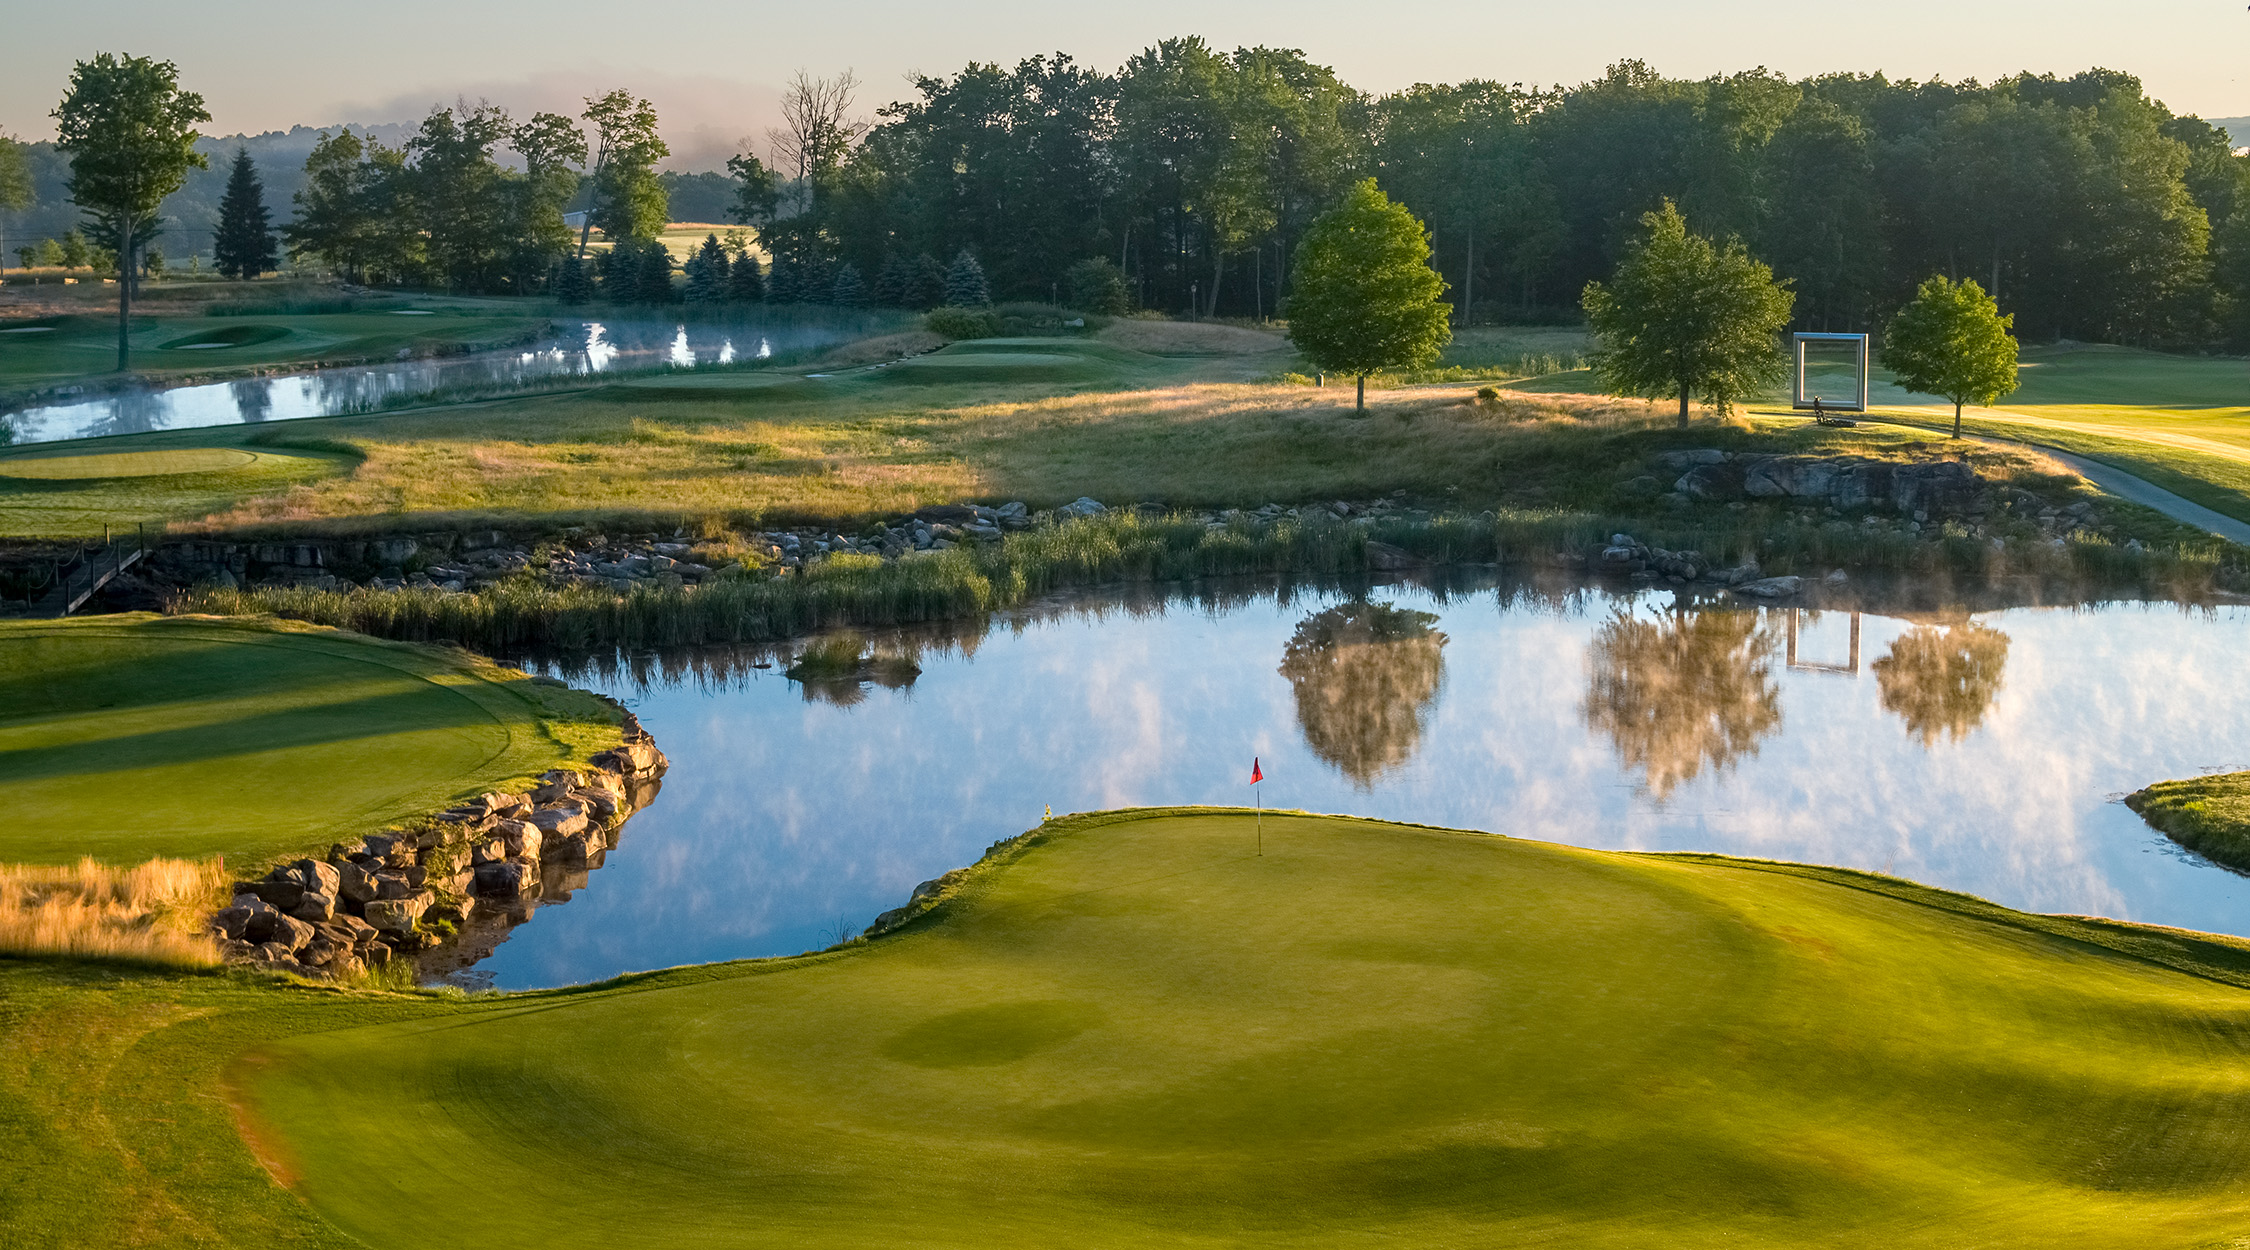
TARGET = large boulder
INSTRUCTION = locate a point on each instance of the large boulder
(397, 915)
(1080, 507)
(560, 821)
(315, 906)
(520, 839)
(506, 879)
(1771, 587)
(601, 805)
(1940, 488)
(274, 928)
(1681, 461)
(283, 894)
(1716, 482)
(316, 876)
(356, 884)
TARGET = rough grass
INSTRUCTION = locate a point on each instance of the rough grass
(2207, 815)
(1133, 1031)
(147, 914)
(138, 736)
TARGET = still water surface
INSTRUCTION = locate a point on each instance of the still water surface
(1977, 753)
(577, 348)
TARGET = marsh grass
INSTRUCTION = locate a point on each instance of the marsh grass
(147, 914)
(1128, 547)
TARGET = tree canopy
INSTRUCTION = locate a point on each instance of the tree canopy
(130, 132)
(1952, 340)
(1683, 316)
(1366, 298)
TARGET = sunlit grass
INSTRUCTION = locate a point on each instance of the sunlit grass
(149, 913)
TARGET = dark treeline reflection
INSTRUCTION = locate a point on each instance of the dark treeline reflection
(1686, 691)
(1941, 680)
(1364, 675)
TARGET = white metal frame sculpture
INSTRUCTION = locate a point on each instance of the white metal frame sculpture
(1797, 396)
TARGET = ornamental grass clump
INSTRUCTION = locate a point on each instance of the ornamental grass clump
(148, 913)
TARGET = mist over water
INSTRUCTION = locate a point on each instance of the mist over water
(580, 348)
(1975, 752)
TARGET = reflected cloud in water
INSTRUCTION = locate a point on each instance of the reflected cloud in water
(1628, 721)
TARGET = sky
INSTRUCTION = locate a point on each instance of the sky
(713, 69)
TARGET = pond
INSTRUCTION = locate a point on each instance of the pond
(577, 348)
(1979, 751)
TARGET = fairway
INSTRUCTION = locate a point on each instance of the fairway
(129, 737)
(71, 347)
(1141, 1032)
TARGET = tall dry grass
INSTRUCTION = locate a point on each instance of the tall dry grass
(150, 913)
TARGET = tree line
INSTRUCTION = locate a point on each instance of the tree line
(1184, 181)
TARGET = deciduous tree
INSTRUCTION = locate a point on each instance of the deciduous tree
(1364, 295)
(1952, 340)
(130, 133)
(1684, 316)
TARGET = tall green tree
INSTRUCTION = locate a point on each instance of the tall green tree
(1365, 297)
(1683, 316)
(553, 151)
(15, 178)
(1952, 340)
(707, 272)
(459, 193)
(965, 286)
(130, 132)
(243, 246)
(628, 201)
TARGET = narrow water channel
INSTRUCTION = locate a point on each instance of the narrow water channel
(1977, 752)
(577, 348)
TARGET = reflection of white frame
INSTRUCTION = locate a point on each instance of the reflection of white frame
(1797, 396)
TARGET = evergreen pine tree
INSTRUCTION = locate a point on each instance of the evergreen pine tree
(847, 291)
(243, 246)
(889, 290)
(782, 284)
(572, 284)
(654, 274)
(925, 285)
(75, 252)
(707, 273)
(964, 283)
(745, 284)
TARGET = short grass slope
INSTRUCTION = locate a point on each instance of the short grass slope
(124, 738)
(178, 340)
(1137, 1031)
(75, 492)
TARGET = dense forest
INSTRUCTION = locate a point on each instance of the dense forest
(2089, 209)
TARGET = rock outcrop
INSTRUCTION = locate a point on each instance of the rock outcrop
(373, 900)
(1934, 488)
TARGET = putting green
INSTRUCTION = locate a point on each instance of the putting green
(127, 737)
(130, 464)
(228, 336)
(1140, 1033)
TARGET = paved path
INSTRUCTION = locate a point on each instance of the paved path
(2121, 484)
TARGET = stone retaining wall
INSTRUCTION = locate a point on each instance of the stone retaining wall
(388, 895)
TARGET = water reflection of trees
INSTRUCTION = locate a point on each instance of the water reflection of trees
(1684, 692)
(1941, 680)
(1364, 675)
(253, 399)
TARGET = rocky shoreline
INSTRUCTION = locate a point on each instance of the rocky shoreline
(448, 887)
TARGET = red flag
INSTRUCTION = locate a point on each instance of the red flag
(1255, 775)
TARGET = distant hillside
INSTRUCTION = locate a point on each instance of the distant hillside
(2237, 128)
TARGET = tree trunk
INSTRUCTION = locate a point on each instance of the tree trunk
(593, 193)
(1362, 409)
(124, 292)
(1218, 271)
(1469, 280)
(1956, 418)
(1683, 405)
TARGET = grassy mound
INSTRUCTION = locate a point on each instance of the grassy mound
(2207, 815)
(1009, 360)
(46, 493)
(1134, 1031)
(131, 737)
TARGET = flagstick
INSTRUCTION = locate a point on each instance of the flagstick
(1260, 800)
